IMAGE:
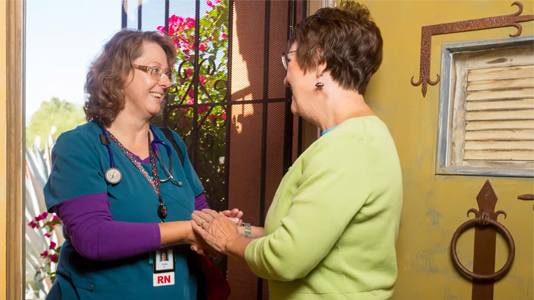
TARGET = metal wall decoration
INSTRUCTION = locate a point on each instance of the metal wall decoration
(469, 25)
(483, 273)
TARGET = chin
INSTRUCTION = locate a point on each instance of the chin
(294, 109)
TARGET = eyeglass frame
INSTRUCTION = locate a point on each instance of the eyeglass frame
(151, 69)
(285, 59)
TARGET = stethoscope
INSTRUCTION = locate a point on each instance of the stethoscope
(113, 175)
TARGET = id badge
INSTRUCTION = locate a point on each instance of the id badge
(163, 267)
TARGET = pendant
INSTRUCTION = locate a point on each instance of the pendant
(162, 211)
(113, 175)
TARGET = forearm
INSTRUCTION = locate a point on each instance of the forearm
(174, 233)
(95, 234)
(236, 249)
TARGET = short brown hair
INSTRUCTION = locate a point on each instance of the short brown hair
(346, 38)
(107, 74)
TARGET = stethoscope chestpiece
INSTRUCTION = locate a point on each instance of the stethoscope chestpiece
(113, 175)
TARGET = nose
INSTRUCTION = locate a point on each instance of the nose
(165, 82)
(286, 82)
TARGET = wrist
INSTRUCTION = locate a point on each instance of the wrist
(241, 230)
(247, 230)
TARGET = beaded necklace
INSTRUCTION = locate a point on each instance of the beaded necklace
(153, 180)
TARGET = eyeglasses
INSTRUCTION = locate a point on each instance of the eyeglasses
(156, 72)
(285, 59)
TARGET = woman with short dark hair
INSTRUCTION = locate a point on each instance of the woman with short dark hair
(331, 230)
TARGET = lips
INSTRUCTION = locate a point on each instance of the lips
(157, 95)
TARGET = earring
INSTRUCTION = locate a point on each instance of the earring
(319, 85)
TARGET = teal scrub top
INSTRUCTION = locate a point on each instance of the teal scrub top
(79, 163)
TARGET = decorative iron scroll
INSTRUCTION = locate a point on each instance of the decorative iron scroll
(469, 25)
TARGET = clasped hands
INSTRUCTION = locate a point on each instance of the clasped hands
(213, 230)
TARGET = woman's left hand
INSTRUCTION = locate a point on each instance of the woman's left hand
(215, 228)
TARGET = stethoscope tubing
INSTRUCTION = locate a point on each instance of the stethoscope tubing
(155, 140)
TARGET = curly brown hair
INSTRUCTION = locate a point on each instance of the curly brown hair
(346, 38)
(106, 76)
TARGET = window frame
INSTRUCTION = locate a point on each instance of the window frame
(444, 140)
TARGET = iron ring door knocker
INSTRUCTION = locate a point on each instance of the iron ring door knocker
(483, 221)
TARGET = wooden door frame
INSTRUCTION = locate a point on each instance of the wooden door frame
(15, 251)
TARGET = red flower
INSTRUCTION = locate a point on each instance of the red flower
(47, 235)
(212, 117)
(203, 109)
(53, 258)
(52, 245)
(202, 47)
(224, 35)
(210, 4)
(44, 254)
(32, 224)
(223, 116)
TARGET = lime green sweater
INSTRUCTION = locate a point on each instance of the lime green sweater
(331, 230)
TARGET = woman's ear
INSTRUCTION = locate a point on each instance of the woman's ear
(321, 63)
(320, 69)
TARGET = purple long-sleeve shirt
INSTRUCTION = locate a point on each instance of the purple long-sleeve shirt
(95, 235)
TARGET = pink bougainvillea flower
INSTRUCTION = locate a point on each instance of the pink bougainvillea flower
(224, 35)
(161, 29)
(189, 23)
(191, 94)
(52, 245)
(47, 235)
(202, 47)
(189, 72)
(223, 116)
(190, 101)
(203, 109)
(202, 79)
(44, 254)
(212, 117)
(210, 4)
(32, 224)
(217, 1)
(53, 258)
(44, 215)
(38, 218)
(55, 217)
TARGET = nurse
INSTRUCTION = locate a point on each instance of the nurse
(123, 194)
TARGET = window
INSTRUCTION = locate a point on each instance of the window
(486, 124)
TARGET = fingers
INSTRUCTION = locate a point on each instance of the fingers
(201, 218)
(198, 220)
(234, 213)
(212, 213)
(198, 250)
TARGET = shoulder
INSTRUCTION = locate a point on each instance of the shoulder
(81, 138)
(159, 132)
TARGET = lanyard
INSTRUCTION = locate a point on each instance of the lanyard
(153, 180)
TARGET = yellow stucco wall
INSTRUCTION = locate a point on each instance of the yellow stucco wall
(434, 206)
(2, 150)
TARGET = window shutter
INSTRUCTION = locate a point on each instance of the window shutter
(487, 109)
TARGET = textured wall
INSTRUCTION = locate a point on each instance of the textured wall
(434, 205)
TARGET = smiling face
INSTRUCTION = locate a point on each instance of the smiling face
(302, 85)
(144, 93)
